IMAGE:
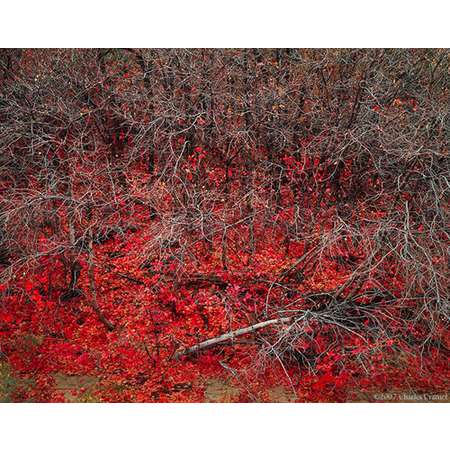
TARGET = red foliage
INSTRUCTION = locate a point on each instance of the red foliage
(222, 263)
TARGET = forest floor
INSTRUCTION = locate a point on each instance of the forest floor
(82, 389)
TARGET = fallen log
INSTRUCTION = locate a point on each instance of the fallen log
(230, 336)
(202, 280)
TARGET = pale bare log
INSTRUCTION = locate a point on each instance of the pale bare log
(231, 335)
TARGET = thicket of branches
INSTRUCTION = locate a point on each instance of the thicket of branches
(345, 151)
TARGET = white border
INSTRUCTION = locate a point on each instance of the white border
(228, 426)
(230, 23)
